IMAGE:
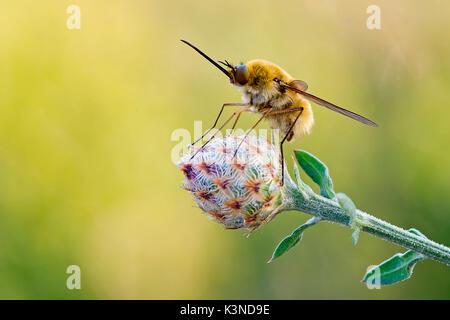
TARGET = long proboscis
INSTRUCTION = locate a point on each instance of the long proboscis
(207, 58)
(332, 106)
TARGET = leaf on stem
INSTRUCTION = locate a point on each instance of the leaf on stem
(293, 239)
(302, 187)
(317, 171)
(395, 269)
(349, 207)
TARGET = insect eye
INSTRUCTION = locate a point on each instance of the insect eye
(241, 74)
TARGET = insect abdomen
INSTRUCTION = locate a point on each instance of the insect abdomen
(303, 125)
(305, 122)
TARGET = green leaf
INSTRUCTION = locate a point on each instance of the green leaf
(417, 232)
(297, 177)
(302, 187)
(291, 240)
(349, 207)
(317, 171)
(355, 235)
(395, 269)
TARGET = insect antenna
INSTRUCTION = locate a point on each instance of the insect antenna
(227, 64)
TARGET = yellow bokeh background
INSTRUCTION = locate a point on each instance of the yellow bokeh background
(86, 118)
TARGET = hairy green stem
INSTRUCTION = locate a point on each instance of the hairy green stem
(307, 201)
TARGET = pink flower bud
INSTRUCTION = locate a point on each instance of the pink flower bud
(238, 192)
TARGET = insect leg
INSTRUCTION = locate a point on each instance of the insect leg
(286, 111)
(284, 139)
(217, 119)
(253, 127)
(218, 130)
(235, 122)
(270, 216)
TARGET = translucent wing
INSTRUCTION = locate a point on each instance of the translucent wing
(297, 84)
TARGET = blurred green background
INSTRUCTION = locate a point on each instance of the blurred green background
(86, 118)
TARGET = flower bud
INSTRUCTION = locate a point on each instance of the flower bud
(239, 190)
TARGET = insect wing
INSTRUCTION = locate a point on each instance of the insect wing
(299, 84)
(331, 106)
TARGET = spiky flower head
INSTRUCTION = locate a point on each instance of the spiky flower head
(239, 190)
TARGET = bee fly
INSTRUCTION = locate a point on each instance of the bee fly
(271, 92)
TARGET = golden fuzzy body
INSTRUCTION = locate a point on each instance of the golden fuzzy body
(261, 92)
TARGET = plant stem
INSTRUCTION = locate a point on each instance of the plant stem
(309, 202)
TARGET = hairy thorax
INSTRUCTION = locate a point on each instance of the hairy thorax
(261, 91)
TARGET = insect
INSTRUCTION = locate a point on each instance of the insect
(271, 92)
